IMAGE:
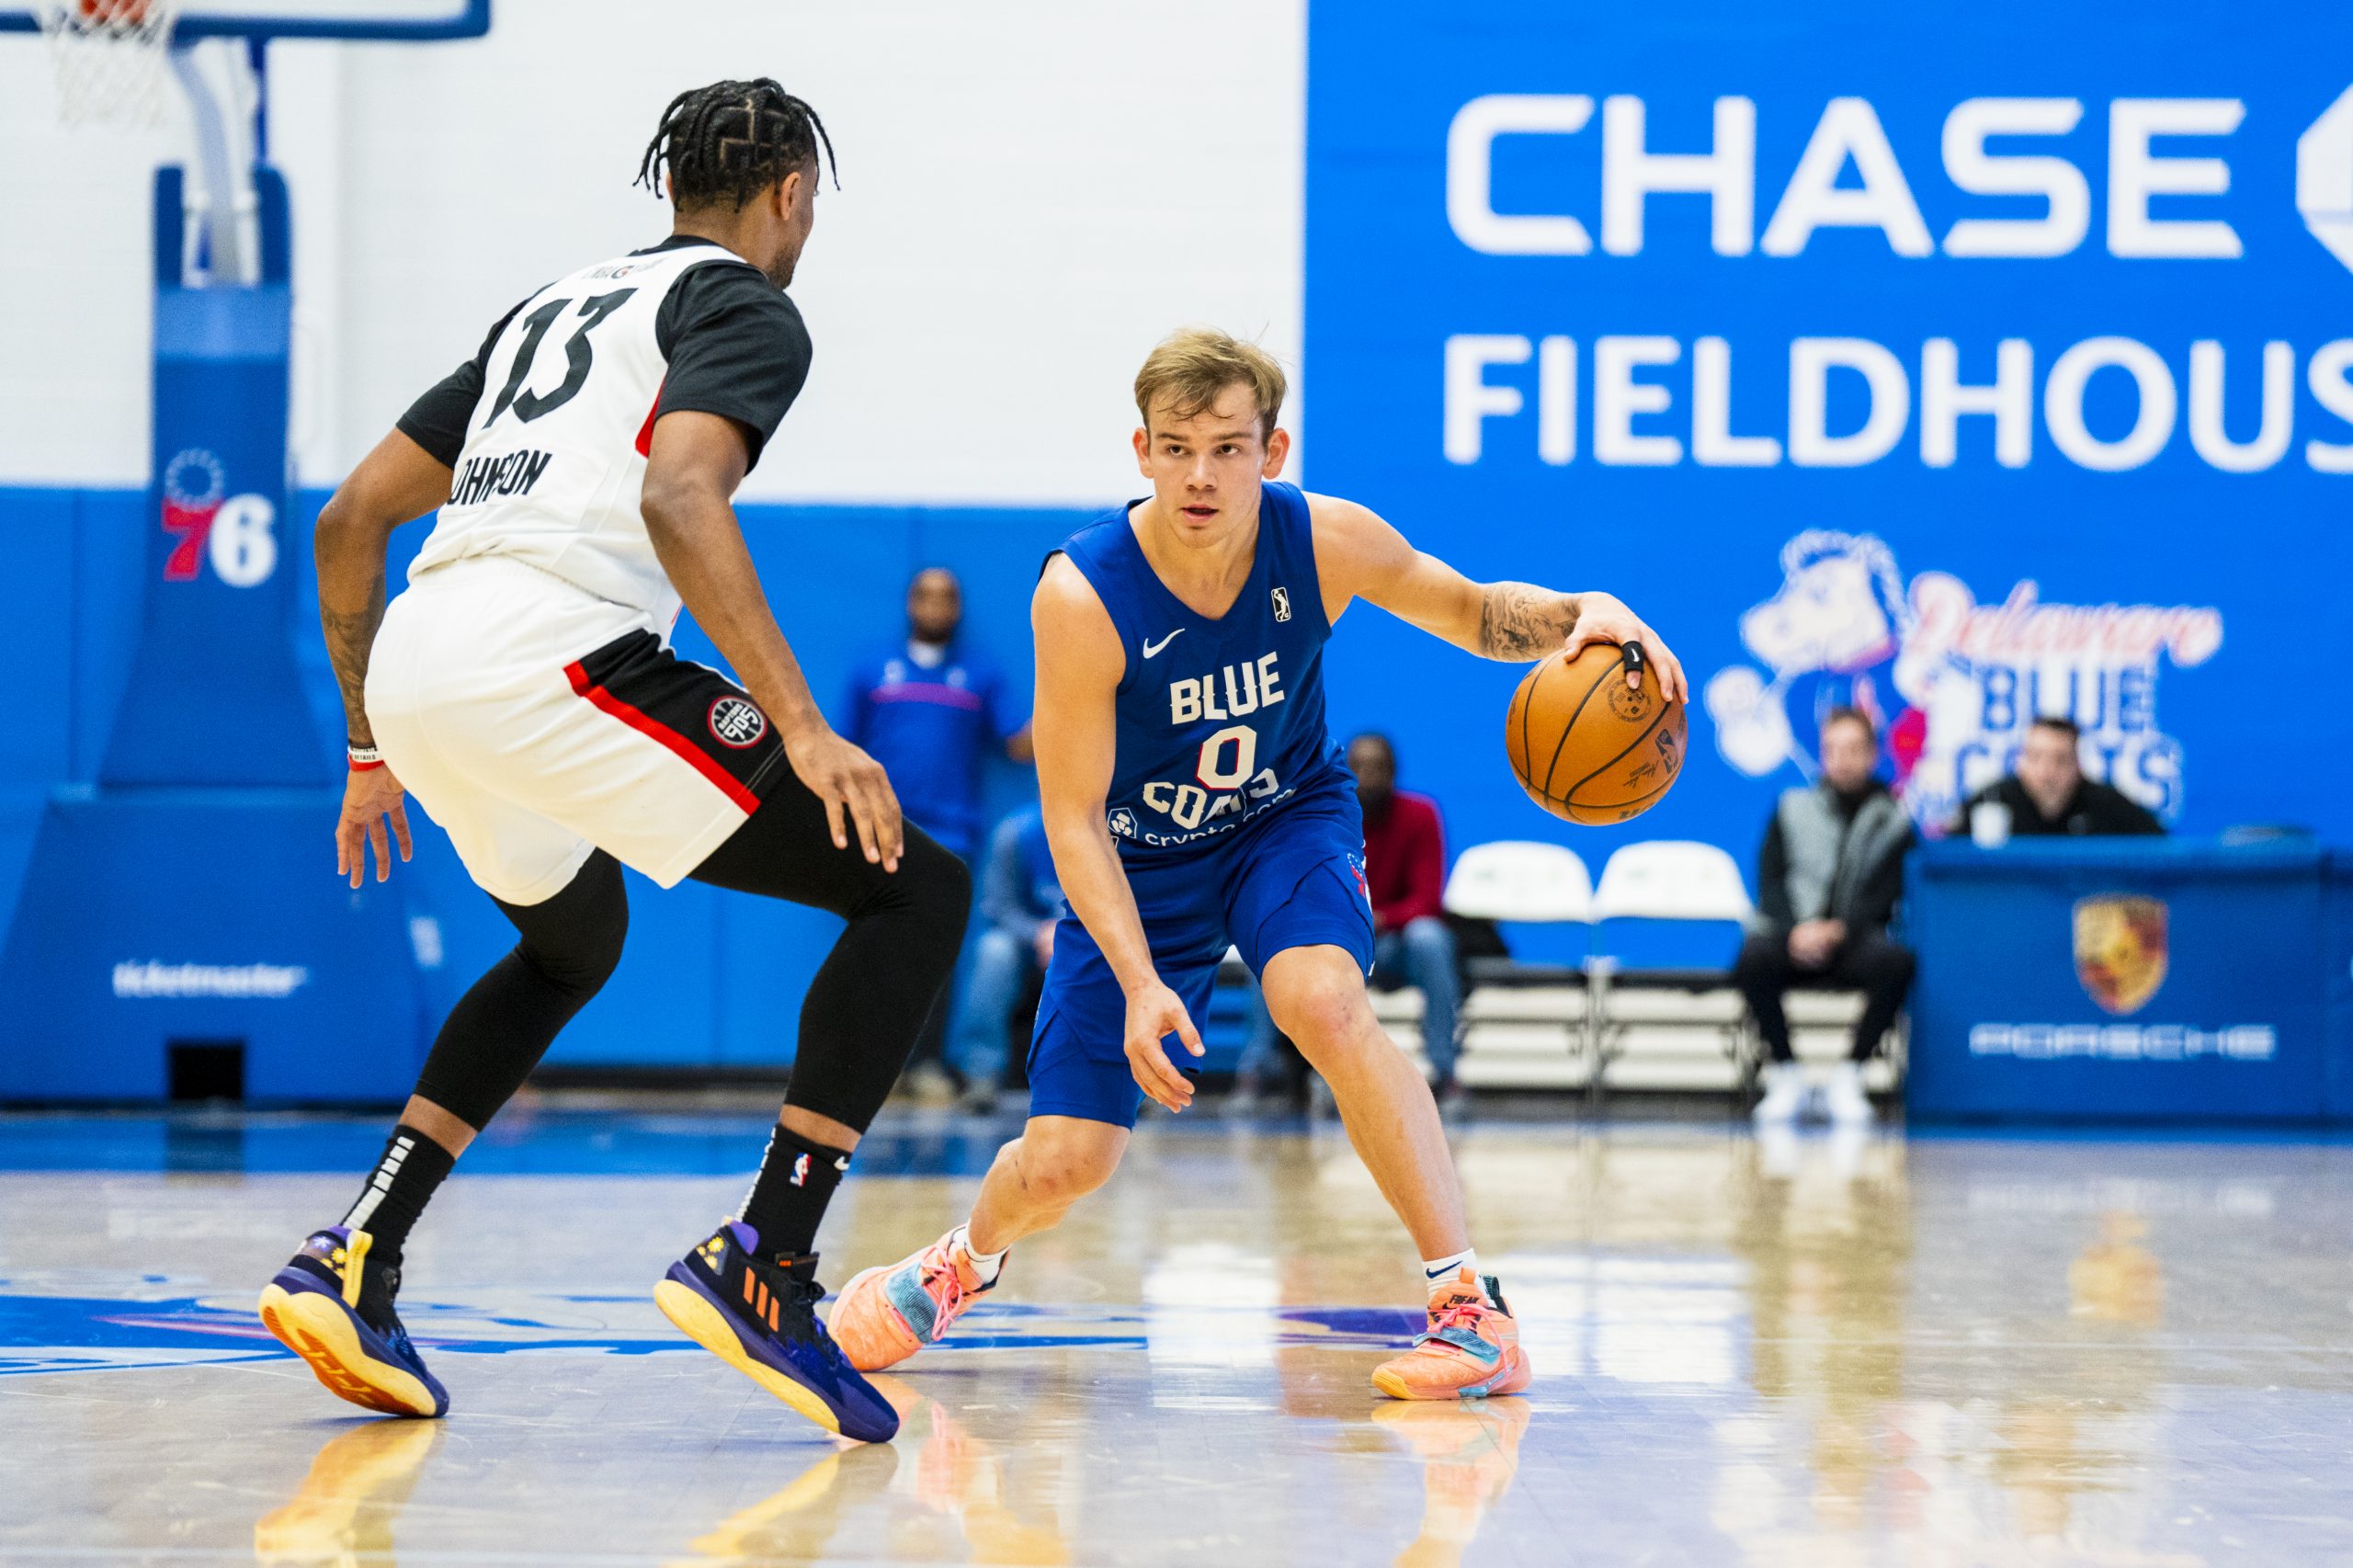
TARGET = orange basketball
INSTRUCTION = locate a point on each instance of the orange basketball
(1585, 747)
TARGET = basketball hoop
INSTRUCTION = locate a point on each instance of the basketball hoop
(111, 58)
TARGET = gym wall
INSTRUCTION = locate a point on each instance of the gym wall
(1881, 362)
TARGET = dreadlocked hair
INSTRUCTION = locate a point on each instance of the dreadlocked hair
(730, 141)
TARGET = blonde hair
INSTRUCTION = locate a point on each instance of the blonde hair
(1191, 365)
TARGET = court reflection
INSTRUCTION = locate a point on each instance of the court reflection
(1826, 1232)
(347, 1503)
(1959, 1379)
(797, 1524)
(1469, 1453)
(982, 1499)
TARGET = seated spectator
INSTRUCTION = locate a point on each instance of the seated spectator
(1405, 874)
(1020, 900)
(2049, 795)
(1828, 882)
(930, 709)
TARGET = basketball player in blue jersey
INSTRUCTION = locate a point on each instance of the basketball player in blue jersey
(1193, 798)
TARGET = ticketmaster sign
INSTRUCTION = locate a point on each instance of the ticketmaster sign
(2053, 305)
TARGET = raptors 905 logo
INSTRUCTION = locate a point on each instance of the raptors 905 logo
(236, 535)
(736, 721)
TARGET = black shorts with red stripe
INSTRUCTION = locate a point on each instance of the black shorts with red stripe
(693, 710)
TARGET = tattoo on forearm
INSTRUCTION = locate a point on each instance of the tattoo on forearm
(1518, 620)
(350, 635)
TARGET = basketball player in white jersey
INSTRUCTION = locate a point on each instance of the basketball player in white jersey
(523, 688)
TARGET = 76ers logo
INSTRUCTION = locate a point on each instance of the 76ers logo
(236, 534)
(193, 486)
(736, 721)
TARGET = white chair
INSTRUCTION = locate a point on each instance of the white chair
(1520, 880)
(1669, 881)
(1524, 1025)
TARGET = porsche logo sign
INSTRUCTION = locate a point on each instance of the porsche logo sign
(2120, 950)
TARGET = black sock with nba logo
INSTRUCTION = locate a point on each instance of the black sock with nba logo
(796, 1181)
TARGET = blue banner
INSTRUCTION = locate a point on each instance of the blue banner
(1963, 373)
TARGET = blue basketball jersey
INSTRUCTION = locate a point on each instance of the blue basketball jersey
(1219, 720)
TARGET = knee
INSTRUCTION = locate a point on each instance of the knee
(1759, 964)
(1056, 1173)
(998, 952)
(936, 887)
(1428, 940)
(946, 890)
(1891, 966)
(1323, 1011)
(586, 956)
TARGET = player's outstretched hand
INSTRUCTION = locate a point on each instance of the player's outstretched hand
(370, 798)
(1153, 1012)
(1604, 618)
(847, 778)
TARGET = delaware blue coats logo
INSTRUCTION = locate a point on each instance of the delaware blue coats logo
(1953, 684)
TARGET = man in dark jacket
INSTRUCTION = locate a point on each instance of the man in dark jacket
(1828, 882)
(2049, 795)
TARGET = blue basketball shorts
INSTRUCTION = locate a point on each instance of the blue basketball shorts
(1293, 878)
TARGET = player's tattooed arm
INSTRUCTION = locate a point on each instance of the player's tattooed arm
(398, 481)
(351, 634)
(1358, 556)
(1519, 621)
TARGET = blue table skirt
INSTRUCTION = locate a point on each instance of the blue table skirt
(2132, 980)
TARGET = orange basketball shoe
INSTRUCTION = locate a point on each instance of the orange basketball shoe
(1469, 1350)
(887, 1314)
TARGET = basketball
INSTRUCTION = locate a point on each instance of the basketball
(1587, 749)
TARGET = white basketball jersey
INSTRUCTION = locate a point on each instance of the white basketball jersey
(553, 468)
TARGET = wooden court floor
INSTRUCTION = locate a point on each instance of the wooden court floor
(1822, 1352)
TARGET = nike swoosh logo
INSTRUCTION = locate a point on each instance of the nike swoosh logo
(1151, 649)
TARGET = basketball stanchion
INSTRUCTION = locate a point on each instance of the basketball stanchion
(182, 908)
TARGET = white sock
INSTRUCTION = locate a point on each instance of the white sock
(1436, 1268)
(985, 1264)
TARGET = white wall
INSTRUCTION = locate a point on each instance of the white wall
(1032, 192)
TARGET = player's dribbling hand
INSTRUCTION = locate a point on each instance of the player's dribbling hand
(370, 797)
(1153, 1012)
(845, 777)
(1604, 618)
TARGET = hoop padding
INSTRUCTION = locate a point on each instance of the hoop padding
(111, 57)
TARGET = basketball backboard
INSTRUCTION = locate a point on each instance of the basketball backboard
(388, 19)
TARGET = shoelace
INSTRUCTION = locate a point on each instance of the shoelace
(801, 1296)
(952, 1299)
(1466, 1313)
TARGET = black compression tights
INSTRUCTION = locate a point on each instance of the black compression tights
(859, 1019)
(506, 1020)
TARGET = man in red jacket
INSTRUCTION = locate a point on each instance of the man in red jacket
(1404, 872)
